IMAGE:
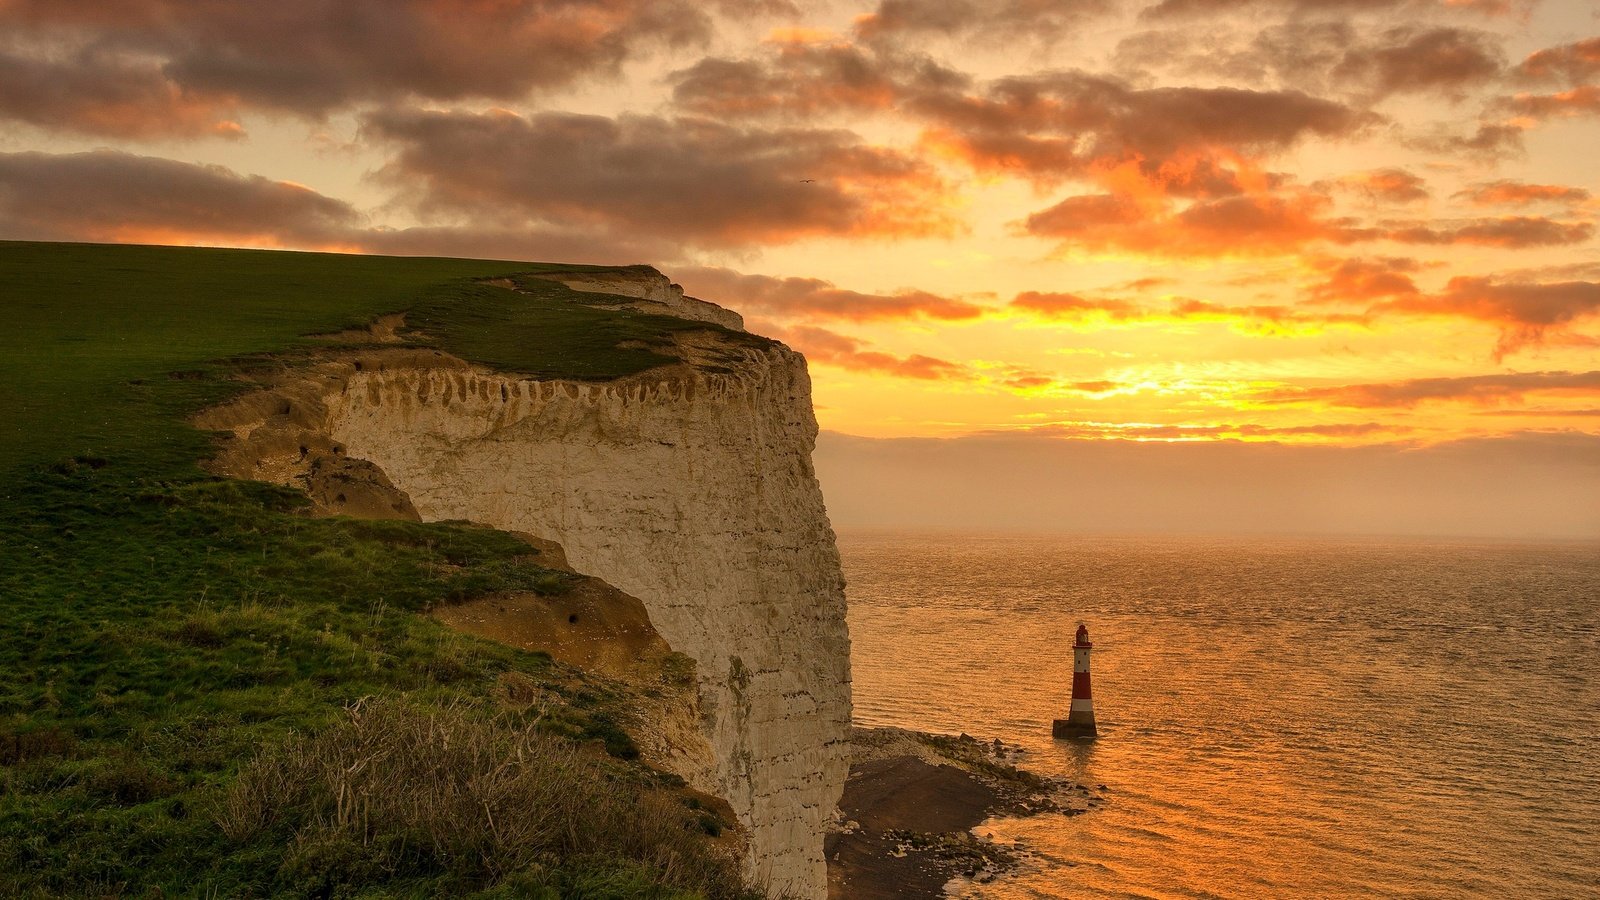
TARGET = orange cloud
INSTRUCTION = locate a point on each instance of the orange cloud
(1482, 389)
(1508, 231)
(1387, 185)
(1262, 225)
(831, 348)
(1517, 193)
(814, 298)
(1365, 279)
(1267, 320)
(1569, 63)
(1061, 307)
(1583, 100)
(1046, 127)
(1525, 312)
(1203, 432)
(1265, 225)
(1263, 319)
(1493, 7)
(1057, 125)
(1475, 389)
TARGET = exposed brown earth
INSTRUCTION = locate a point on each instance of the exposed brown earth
(910, 804)
(589, 624)
(890, 800)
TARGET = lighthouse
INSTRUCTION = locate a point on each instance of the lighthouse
(1079, 722)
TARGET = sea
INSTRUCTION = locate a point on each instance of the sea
(1320, 718)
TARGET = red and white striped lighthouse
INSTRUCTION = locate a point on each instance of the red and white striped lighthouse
(1079, 722)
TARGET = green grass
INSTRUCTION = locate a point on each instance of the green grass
(547, 330)
(91, 335)
(163, 628)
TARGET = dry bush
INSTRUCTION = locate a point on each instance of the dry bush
(399, 790)
(523, 693)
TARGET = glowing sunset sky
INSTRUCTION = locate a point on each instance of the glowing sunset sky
(1299, 221)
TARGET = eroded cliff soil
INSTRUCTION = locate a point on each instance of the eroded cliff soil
(687, 486)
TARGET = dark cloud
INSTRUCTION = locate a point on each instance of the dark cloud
(814, 298)
(518, 243)
(1327, 56)
(1517, 193)
(915, 20)
(1490, 142)
(702, 182)
(1410, 60)
(1525, 312)
(314, 56)
(110, 196)
(1479, 389)
(808, 78)
(91, 93)
(113, 196)
(1172, 9)
(1571, 64)
(1178, 9)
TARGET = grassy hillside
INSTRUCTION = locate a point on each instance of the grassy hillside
(204, 691)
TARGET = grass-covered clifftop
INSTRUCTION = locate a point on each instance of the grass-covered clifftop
(205, 691)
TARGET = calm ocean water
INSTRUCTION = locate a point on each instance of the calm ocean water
(1317, 718)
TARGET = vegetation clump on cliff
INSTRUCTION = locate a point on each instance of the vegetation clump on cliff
(191, 662)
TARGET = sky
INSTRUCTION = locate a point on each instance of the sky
(1269, 244)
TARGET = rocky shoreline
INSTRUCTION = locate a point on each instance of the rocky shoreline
(904, 827)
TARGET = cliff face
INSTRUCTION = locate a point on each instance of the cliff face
(689, 487)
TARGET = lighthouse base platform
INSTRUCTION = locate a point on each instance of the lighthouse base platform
(1068, 728)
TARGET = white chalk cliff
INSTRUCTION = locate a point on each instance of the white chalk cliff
(690, 488)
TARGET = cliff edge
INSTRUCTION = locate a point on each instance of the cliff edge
(688, 485)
